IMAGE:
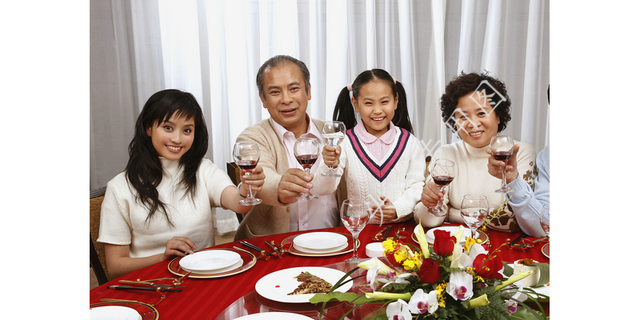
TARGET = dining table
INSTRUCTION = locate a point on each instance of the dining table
(234, 294)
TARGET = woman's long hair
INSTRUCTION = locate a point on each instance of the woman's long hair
(144, 169)
(344, 111)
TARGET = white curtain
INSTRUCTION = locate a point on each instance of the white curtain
(213, 49)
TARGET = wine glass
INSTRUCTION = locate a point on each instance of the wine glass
(474, 209)
(355, 214)
(246, 154)
(502, 149)
(544, 219)
(306, 151)
(333, 134)
(442, 173)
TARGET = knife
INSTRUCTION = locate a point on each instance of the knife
(117, 287)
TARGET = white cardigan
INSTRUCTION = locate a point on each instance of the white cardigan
(401, 180)
(123, 222)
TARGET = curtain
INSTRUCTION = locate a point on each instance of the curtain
(213, 49)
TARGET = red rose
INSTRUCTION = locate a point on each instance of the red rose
(443, 243)
(392, 259)
(487, 268)
(430, 271)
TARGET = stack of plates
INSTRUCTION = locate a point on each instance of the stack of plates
(211, 261)
(113, 312)
(320, 242)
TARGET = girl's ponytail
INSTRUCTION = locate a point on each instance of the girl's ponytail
(343, 111)
(401, 117)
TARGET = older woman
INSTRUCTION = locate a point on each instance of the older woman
(476, 107)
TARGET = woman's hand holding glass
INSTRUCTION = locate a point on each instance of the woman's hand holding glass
(442, 175)
(502, 150)
(246, 155)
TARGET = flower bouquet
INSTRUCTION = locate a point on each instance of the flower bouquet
(447, 280)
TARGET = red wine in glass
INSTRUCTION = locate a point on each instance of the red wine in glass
(442, 181)
(502, 155)
(306, 151)
(247, 165)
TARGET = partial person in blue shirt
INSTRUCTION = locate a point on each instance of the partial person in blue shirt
(526, 203)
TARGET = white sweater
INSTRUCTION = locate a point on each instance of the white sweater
(472, 177)
(123, 222)
(400, 174)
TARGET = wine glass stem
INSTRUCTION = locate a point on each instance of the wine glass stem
(504, 177)
(355, 242)
(439, 205)
(250, 195)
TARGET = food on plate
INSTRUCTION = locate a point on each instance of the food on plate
(310, 284)
(524, 265)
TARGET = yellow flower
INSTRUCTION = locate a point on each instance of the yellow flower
(513, 279)
(387, 295)
(479, 301)
(413, 262)
(389, 245)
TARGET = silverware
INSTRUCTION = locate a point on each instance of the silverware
(523, 235)
(247, 244)
(275, 249)
(117, 287)
(386, 234)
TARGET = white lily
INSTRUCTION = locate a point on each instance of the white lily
(455, 256)
(458, 234)
(422, 302)
(374, 262)
(466, 259)
(392, 278)
(422, 241)
(398, 310)
(460, 285)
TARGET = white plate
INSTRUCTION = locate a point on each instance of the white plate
(451, 229)
(229, 268)
(210, 260)
(113, 313)
(276, 285)
(303, 249)
(320, 241)
(274, 316)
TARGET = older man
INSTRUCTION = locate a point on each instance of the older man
(284, 89)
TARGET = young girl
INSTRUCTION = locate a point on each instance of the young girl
(383, 162)
(160, 206)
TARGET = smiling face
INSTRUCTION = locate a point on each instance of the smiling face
(173, 138)
(376, 106)
(476, 123)
(286, 98)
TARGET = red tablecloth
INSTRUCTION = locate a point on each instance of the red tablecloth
(207, 298)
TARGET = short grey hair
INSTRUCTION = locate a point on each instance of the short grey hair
(278, 61)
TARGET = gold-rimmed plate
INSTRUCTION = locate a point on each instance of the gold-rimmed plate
(248, 261)
(288, 243)
(545, 250)
(146, 311)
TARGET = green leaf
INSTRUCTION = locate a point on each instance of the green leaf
(340, 296)
(544, 273)
(508, 270)
(527, 314)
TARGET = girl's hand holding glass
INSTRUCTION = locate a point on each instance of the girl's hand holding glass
(331, 157)
(252, 182)
(333, 134)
